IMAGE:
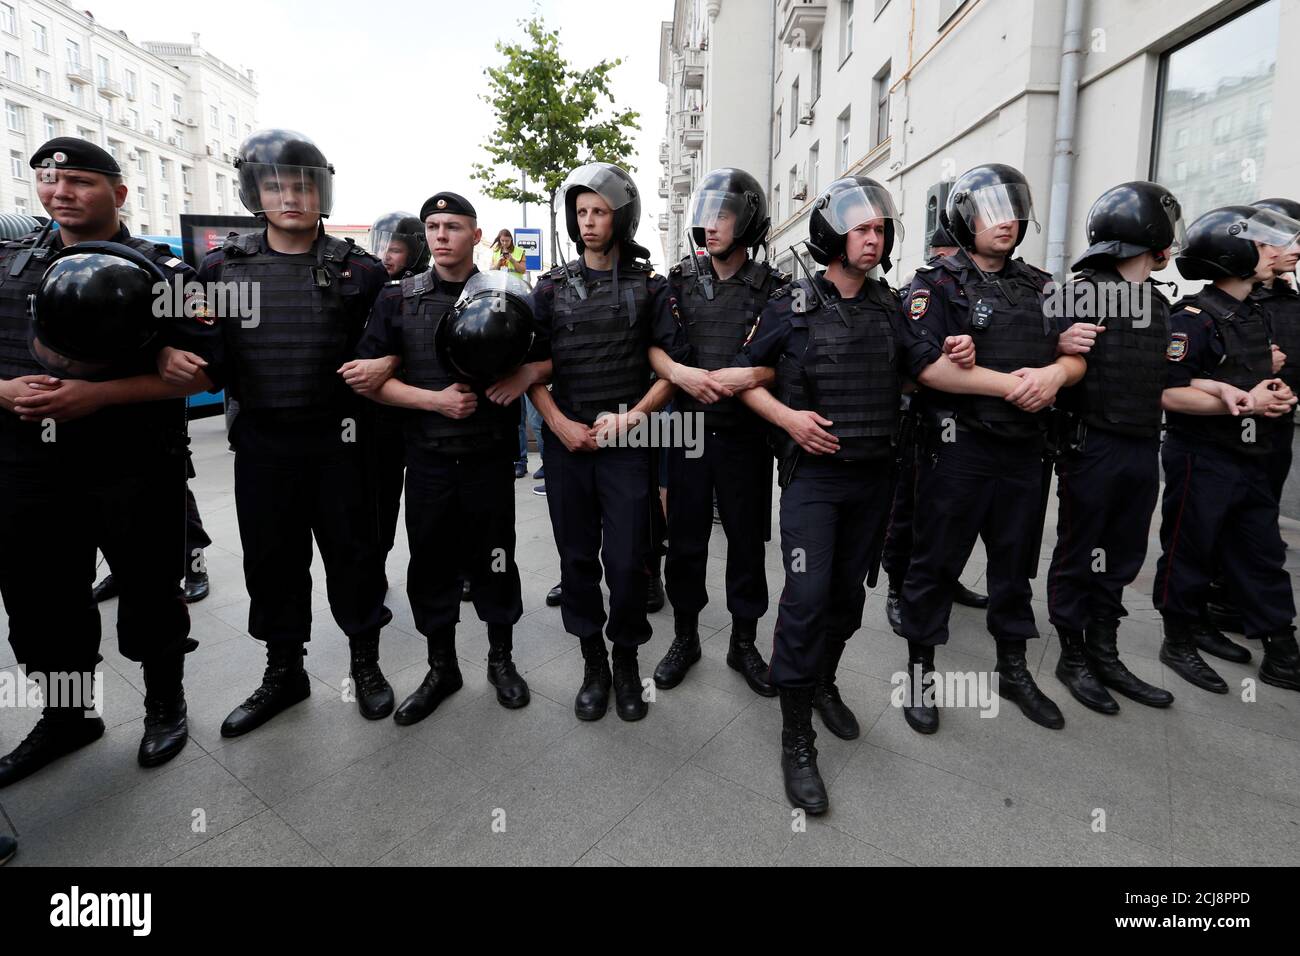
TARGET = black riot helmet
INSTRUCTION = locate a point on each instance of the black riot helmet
(1133, 218)
(846, 204)
(612, 184)
(1221, 243)
(404, 230)
(1283, 207)
(93, 313)
(280, 169)
(489, 332)
(941, 237)
(735, 194)
(990, 194)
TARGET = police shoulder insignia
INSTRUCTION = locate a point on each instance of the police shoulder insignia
(1177, 347)
(780, 293)
(1192, 309)
(752, 329)
(920, 303)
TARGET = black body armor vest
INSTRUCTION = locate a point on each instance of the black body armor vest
(1282, 309)
(847, 373)
(424, 306)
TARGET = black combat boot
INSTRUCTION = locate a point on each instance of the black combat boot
(803, 783)
(1103, 657)
(627, 684)
(834, 713)
(166, 728)
(512, 690)
(442, 680)
(1281, 664)
(1016, 684)
(1221, 610)
(59, 732)
(1179, 654)
(967, 598)
(1211, 640)
(654, 594)
(743, 656)
(683, 652)
(1073, 671)
(374, 694)
(284, 684)
(893, 606)
(593, 696)
(921, 716)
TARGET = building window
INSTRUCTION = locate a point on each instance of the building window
(43, 80)
(814, 169)
(8, 19)
(794, 105)
(74, 93)
(846, 29)
(53, 127)
(14, 117)
(843, 127)
(213, 120)
(20, 205)
(166, 205)
(155, 94)
(139, 163)
(234, 128)
(17, 168)
(74, 55)
(155, 129)
(87, 134)
(164, 168)
(178, 105)
(185, 179)
(1210, 111)
(133, 119)
(102, 71)
(13, 67)
(115, 149)
(776, 203)
(881, 87)
(947, 8)
(776, 132)
(816, 74)
(794, 187)
(130, 84)
(40, 38)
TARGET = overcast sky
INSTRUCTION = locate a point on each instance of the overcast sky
(389, 89)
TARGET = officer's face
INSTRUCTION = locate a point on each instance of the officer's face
(996, 240)
(595, 221)
(292, 203)
(722, 233)
(1285, 258)
(865, 244)
(79, 200)
(451, 238)
(395, 258)
(1268, 256)
(942, 251)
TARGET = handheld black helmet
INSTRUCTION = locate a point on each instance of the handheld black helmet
(990, 194)
(734, 193)
(93, 314)
(846, 204)
(406, 230)
(488, 334)
(1221, 243)
(1130, 219)
(280, 169)
(612, 184)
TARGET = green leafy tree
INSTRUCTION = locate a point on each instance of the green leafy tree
(551, 117)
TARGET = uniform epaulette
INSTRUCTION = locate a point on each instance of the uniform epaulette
(1042, 272)
(780, 293)
(676, 271)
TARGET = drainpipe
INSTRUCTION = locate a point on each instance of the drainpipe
(1063, 151)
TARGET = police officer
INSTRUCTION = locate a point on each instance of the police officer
(839, 349)
(597, 318)
(898, 533)
(982, 443)
(460, 503)
(719, 296)
(1219, 510)
(1108, 447)
(87, 463)
(1281, 302)
(298, 466)
(397, 239)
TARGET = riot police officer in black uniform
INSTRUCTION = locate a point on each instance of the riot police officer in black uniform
(597, 318)
(981, 471)
(719, 296)
(460, 503)
(898, 533)
(1109, 435)
(1219, 511)
(92, 453)
(839, 350)
(298, 466)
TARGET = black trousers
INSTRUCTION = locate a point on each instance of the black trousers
(293, 482)
(1106, 495)
(460, 521)
(53, 521)
(196, 538)
(1279, 460)
(980, 487)
(600, 515)
(832, 528)
(386, 463)
(897, 553)
(1219, 512)
(736, 465)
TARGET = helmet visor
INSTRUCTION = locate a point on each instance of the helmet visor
(850, 203)
(1175, 213)
(270, 187)
(715, 208)
(991, 206)
(1269, 227)
(499, 282)
(603, 181)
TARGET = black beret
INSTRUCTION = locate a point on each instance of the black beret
(447, 202)
(71, 152)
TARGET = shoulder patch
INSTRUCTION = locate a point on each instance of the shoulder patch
(920, 304)
(1177, 348)
(1192, 309)
(780, 293)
